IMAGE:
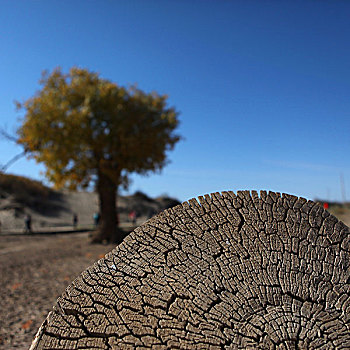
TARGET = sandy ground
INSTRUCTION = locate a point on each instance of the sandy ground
(34, 271)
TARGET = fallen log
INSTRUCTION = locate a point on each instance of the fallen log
(225, 271)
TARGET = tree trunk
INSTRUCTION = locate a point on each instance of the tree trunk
(107, 193)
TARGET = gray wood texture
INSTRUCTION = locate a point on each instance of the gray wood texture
(225, 271)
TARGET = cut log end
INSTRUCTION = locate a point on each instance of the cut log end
(226, 271)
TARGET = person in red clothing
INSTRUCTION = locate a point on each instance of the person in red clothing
(132, 216)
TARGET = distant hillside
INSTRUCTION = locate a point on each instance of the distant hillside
(20, 196)
(22, 188)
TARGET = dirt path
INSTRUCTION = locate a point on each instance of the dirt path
(34, 271)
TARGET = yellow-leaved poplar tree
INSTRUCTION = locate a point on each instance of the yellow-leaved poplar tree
(87, 129)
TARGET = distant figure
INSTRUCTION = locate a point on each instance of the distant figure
(75, 220)
(28, 224)
(132, 216)
(96, 219)
(325, 205)
(151, 213)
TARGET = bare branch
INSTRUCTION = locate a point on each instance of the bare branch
(5, 135)
(11, 161)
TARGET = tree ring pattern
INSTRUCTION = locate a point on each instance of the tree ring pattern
(226, 271)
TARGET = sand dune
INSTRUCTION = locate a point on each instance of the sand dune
(54, 210)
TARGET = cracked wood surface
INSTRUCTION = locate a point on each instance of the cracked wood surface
(224, 272)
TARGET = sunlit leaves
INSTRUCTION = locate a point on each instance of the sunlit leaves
(79, 124)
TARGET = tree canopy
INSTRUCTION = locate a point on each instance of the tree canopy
(84, 128)
(78, 123)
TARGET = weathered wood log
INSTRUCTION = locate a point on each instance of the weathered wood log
(224, 272)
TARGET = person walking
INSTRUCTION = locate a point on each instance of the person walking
(28, 224)
(133, 216)
(96, 219)
(75, 220)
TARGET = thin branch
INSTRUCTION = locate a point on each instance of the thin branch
(4, 134)
(11, 161)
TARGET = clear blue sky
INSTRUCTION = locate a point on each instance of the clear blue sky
(263, 87)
